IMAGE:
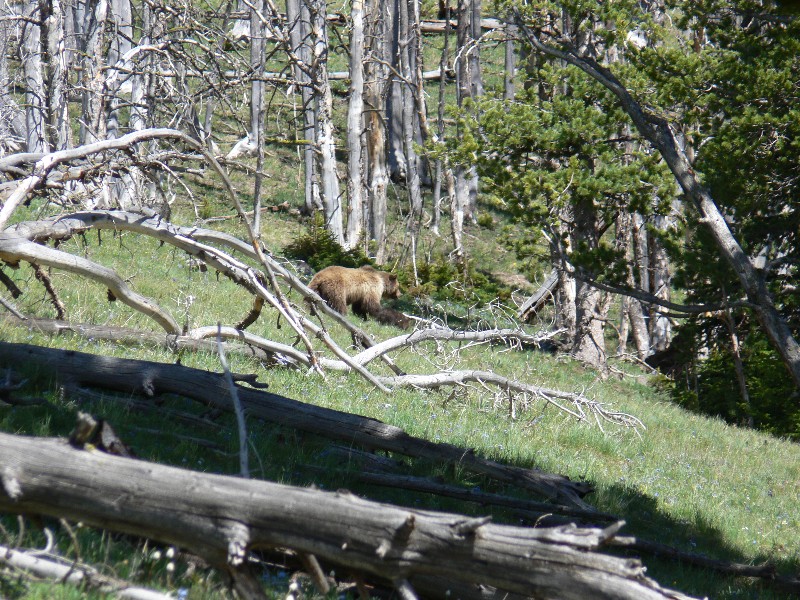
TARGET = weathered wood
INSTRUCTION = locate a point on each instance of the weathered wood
(151, 378)
(62, 571)
(532, 305)
(129, 336)
(221, 518)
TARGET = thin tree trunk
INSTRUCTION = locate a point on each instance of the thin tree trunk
(624, 327)
(378, 80)
(257, 43)
(35, 95)
(58, 74)
(13, 127)
(407, 29)
(738, 365)
(660, 325)
(326, 144)
(355, 128)
(475, 91)
(510, 65)
(463, 89)
(456, 214)
(632, 310)
(394, 100)
(466, 87)
(93, 116)
(299, 25)
(437, 181)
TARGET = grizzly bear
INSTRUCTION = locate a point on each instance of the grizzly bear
(362, 288)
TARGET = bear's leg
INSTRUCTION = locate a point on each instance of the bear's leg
(360, 309)
(335, 300)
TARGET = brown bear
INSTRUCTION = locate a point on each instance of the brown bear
(362, 288)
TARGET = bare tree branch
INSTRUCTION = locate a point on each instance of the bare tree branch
(14, 248)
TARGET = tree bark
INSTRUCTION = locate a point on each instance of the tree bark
(394, 98)
(58, 68)
(409, 21)
(510, 63)
(660, 325)
(628, 234)
(35, 93)
(222, 518)
(466, 185)
(378, 81)
(298, 19)
(13, 128)
(326, 144)
(93, 115)
(258, 36)
(355, 128)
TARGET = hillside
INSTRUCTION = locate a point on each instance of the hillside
(173, 173)
(684, 480)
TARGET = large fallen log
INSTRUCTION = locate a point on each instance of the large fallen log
(223, 518)
(152, 379)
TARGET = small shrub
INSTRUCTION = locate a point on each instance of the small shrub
(319, 249)
(442, 279)
(486, 220)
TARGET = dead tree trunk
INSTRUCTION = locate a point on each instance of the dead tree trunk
(258, 36)
(58, 68)
(469, 85)
(93, 118)
(326, 145)
(439, 168)
(36, 111)
(632, 317)
(588, 345)
(152, 379)
(226, 517)
(12, 118)
(377, 84)
(409, 28)
(660, 325)
(299, 24)
(355, 128)
(510, 65)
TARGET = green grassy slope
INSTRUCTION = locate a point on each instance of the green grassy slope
(686, 480)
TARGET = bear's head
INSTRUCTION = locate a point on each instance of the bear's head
(391, 287)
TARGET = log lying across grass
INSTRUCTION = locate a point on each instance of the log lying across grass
(222, 518)
(152, 379)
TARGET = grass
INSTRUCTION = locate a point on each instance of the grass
(689, 481)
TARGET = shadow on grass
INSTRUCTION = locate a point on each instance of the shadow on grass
(179, 432)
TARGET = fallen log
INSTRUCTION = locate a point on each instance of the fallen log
(152, 379)
(222, 518)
